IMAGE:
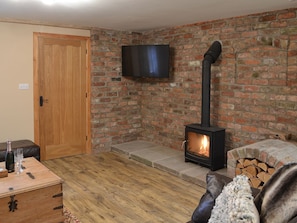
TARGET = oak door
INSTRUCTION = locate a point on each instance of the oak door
(61, 95)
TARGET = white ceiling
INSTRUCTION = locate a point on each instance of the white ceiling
(133, 15)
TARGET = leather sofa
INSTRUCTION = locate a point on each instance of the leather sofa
(30, 149)
(282, 196)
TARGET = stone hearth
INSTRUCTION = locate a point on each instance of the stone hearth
(274, 152)
(164, 159)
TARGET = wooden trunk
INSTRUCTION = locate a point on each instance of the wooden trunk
(24, 199)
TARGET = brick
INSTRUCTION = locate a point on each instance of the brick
(249, 34)
(287, 15)
(249, 128)
(279, 24)
(267, 18)
(206, 26)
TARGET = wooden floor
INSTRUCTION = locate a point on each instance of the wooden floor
(111, 188)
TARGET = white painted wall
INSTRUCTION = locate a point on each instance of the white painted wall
(16, 67)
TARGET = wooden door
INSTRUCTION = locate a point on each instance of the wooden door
(61, 95)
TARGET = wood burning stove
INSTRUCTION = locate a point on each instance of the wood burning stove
(204, 144)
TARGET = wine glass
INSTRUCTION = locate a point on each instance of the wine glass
(20, 157)
(17, 162)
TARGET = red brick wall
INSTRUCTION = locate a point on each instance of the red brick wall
(116, 102)
(254, 82)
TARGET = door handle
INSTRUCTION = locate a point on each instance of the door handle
(40, 101)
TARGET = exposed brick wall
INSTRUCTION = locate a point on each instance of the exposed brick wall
(116, 102)
(254, 82)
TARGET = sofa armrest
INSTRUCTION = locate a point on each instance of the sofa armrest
(30, 149)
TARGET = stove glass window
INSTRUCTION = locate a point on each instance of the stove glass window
(198, 144)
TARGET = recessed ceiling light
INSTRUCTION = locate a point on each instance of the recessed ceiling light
(48, 2)
(66, 2)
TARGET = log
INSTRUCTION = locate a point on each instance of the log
(240, 165)
(251, 170)
(238, 171)
(255, 182)
(261, 176)
(255, 162)
(245, 172)
(271, 170)
(258, 169)
(247, 162)
(263, 166)
(241, 161)
(257, 172)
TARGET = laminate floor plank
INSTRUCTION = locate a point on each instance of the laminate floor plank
(108, 187)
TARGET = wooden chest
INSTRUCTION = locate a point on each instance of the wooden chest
(35, 198)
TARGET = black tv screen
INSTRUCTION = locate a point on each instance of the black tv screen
(145, 61)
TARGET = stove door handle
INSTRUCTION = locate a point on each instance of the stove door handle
(183, 145)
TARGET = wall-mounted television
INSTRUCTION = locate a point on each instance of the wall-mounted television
(145, 61)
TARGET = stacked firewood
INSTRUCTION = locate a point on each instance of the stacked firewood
(258, 172)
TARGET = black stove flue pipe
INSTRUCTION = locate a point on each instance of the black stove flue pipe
(210, 57)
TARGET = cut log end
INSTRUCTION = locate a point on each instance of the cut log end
(257, 172)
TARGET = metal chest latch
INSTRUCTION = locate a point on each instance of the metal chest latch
(12, 204)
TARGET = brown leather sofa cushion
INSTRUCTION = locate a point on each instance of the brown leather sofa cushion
(30, 149)
(215, 183)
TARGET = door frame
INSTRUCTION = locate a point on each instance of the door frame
(36, 95)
